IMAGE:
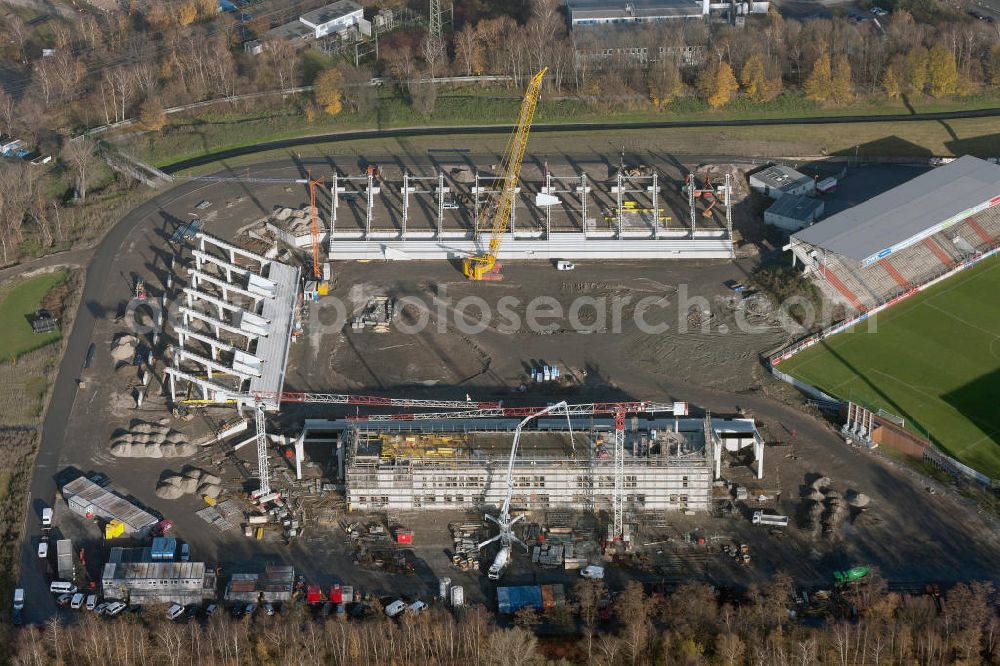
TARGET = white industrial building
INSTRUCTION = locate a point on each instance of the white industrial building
(318, 23)
(668, 464)
(333, 18)
(583, 13)
(778, 180)
(793, 212)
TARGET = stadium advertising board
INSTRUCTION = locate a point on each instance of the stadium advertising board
(941, 226)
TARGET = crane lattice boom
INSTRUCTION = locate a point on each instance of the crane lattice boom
(584, 409)
(368, 400)
(482, 266)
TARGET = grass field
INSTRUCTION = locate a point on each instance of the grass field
(224, 127)
(16, 302)
(934, 359)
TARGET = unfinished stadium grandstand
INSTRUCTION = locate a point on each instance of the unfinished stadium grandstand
(893, 244)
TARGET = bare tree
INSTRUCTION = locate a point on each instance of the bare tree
(7, 113)
(434, 54)
(79, 155)
(17, 187)
(468, 50)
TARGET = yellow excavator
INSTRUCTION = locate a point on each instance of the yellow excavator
(485, 266)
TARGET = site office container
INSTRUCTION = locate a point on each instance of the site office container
(548, 598)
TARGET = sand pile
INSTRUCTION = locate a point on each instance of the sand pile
(151, 440)
(190, 480)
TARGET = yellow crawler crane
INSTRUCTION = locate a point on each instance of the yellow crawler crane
(484, 266)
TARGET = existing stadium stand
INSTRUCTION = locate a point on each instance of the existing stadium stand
(892, 243)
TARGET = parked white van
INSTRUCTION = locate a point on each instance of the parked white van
(62, 587)
(395, 608)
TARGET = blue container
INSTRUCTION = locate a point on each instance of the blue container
(512, 599)
(163, 548)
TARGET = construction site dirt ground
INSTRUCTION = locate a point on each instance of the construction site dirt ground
(909, 533)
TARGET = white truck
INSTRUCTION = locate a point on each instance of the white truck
(499, 564)
(761, 518)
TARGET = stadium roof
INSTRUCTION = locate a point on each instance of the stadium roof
(908, 213)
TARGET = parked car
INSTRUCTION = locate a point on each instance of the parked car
(563, 265)
(249, 609)
(395, 608)
(64, 599)
(593, 572)
(175, 611)
(77, 601)
(185, 553)
(417, 607)
(43, 549)
(101, 607)
(46, 517)
(18, 607)
(269, 609)
(91, 602)
(210, 609)
(114, 608)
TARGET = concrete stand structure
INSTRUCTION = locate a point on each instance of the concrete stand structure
(623, 217)
(668, 464)
(237, 322)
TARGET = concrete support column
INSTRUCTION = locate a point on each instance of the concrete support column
(656, 205)
(340, 459)
(475, 208)
(300, 451)
(758, 452)
(406, 204)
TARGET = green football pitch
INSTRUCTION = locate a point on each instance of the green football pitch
(933, 359)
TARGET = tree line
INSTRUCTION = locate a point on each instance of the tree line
(101, 69)
(693, 625)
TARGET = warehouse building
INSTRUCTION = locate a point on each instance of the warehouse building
(87, 499)
(669, 463)
(587, 13)
(793, 212)
(275, 584)
(157, 582)
(779, 180)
